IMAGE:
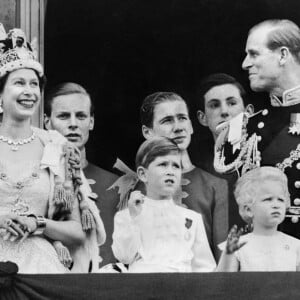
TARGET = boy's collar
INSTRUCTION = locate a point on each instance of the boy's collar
(156, 202)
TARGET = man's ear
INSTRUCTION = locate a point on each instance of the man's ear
(47, 122)
(284, 54)
(147, 132)
(92, 123)
(142, 174)
(201, 116)
(249, 109)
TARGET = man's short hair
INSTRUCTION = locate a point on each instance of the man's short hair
(151, 101)
(283, 33)
(63, 89)
(214, 80)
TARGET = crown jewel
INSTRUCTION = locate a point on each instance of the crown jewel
(16, 52)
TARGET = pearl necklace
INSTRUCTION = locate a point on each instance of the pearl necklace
(15, 144)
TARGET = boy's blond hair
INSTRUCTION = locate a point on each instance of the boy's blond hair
(246, 188)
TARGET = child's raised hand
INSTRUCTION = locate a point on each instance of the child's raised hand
(135, 203)
(233, 238)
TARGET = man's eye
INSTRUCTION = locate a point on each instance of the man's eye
(163, 164)
(81, 117)
(176, 166)
(183, 118)
(62, 117)
(214, 105)
(281, 200)
(253, 54)
(232, 103)
(19, 82)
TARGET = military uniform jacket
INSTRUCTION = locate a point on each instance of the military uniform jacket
(278, 146)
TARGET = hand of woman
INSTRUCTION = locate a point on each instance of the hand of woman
(11, 225)
(16, 227)
(233, 238)
(135, 203)
(30, 226)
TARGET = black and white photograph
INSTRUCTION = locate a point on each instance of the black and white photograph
(149, 149)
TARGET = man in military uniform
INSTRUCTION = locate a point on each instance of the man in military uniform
(273, 63)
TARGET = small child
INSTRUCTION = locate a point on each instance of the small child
(154, 234)
(262, 196)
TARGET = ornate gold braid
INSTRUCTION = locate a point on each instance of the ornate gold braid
(287, 162)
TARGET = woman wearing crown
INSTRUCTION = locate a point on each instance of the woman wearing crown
(46, 219)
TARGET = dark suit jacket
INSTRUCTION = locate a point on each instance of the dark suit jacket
(107, 202)
(206, 162)
(208, 195)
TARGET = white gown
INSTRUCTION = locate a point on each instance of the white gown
(279, 252)
(28, 194)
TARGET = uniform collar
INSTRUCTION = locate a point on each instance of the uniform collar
(289, 97)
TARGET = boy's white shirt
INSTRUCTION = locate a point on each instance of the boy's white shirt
(136, 241)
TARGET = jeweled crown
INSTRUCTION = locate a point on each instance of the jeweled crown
(16, 52)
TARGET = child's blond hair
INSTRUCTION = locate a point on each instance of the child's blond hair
(246, 188)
